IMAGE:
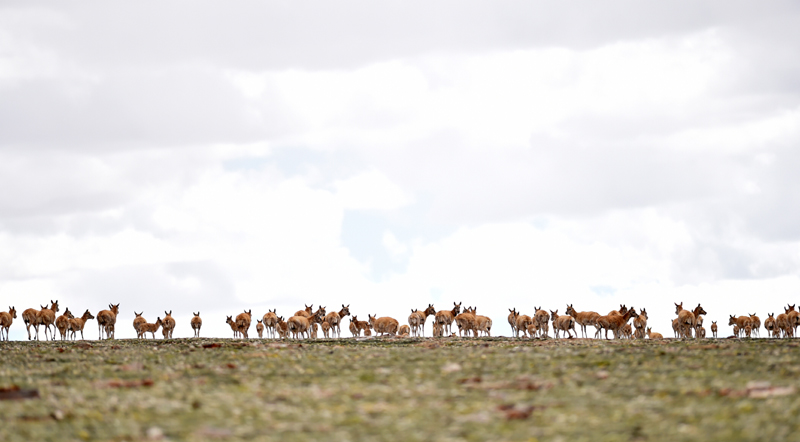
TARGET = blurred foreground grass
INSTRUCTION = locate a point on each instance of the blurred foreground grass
(409, 390)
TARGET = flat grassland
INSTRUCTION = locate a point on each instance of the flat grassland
(401, 390)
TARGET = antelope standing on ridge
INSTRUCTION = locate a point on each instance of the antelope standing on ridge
(151, 328)
(260, 328)
(47, 317)
(417, 319)
(756, 321)
(583, 319)
(334, 319)
(466, 323)
(243, 322)
(270, 320)
(542, 319)
(62, 323)
(446, 317)
(523, 321)
(106, 319)
(512, 320)
(29, 317)
(196, 322)
(614, 322)
(483, 324)
(169, 324)
(741, 322)
(138, 320)
(714, 329)
(563, 323)
(76, 324)
(769, 325)
(6, 319)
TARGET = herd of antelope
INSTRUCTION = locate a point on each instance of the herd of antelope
(307, 323)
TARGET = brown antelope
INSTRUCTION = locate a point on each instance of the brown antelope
(676, 327)
(523, 321)
(700, 332)
(282, 328)
(438, 330)
(483, 324)
(260, 328)
(354, 326)
(653, 335)
(47, 317)
(138, 320)
(302, 325)
(626, 332)
(326, 329)
(234, 327)
(614, 322)
(583, 319)
(309, 310)
(106, 319)
(418, 328)
(367, 331)
(736, 330)
(270, 320)
(446, 317)
(563, 323)
(62, 323)
(151, 328)
(714, 329)
(76, 324)
(29, 317)
(741, 322)
(404, 330)
(466, 323)
(793, 317)
(756, 322)
(769, 325)
(6, 319)
(334, 319)
(384, 325)
(639, 333)
(168, 323)
(640, 322)
(687, 320)
(542, 318)
(533, 328)
(782, 322)
(512, 320)
(243, 322)
(748, 329)
(197, 322)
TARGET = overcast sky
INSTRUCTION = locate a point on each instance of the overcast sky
(213, 156)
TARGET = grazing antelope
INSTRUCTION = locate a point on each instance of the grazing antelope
(653, 335)
(640, 322)
(47, 317)
(62, 323)
(138, 320)
(741, 322)
(756, 322)
(523, 321)
(542, 318)
(6, 319)
(583, 319)
(260, 328)
(76, 324)
(334, 319)
(769, 325)
(417, 319)
(466, 323)
(512, 320)
(446, 317)
(563, 323)
(243, 322)
(270, 320)
(404, 330)
(714, 329)
(29, 318)
(197, 322)
(106, 319)
(384, 325)
(483, 324)
(614, 322)
(168, 323)
(151, 328)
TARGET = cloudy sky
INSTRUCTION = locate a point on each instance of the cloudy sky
(194, 156)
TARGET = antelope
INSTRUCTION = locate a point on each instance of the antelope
(736, 330)
(197, 322)
(748, 329)
(523, 321)
(76, 324)
(583, 319)
(446, 317)
(326, 329)
(423, 317)
(260, 328)
(639, 333)
(614, 322)
(138, 321)
(384, 325)
(512, 320)
(626, 332)
(314, 330)
(354, 326)
(782, 322)
(793, 317)
(483, 324)
(541, 318)
(700, 332)
(6, 319)
(404, 330)
(151, 328)
(367, 331)
(169, 324)
(47, 317)
(741, 322)
(235, 327)
(29, 318)
(270, 320)
(756, 321)
(687, 320)
(62, 323)
(640, 322)
(302, 325)
(676, 327)
(333, 319)
(309, 310)
(466, 323)
(769, 325)
(714, 329)
(653, 335)
(282, 328)
(533, 328)
(243, 322)
(106, 320)
(563, 323)
(438, 330)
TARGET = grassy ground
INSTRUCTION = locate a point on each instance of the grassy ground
(409, 390)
